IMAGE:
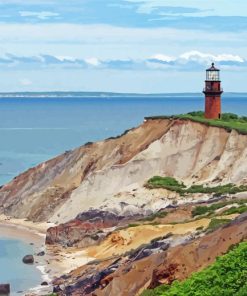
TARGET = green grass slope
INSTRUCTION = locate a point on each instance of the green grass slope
(229, 121)
(172, 184)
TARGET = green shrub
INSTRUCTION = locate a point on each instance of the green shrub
(243, 118)
(200, 210)
(161, 214)
(228, 121)
(226, 277)
(216, 223)
(242, 291)
(235, 210)
(165, 182)
(133, 225)
(196, 113)
(179, 187)
(229, 116)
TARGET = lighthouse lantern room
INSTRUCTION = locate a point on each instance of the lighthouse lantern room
(213, 93)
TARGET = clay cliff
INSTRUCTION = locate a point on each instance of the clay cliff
(137, 237)
(110, 174)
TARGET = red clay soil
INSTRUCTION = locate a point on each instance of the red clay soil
(129, 277)
(177, 263)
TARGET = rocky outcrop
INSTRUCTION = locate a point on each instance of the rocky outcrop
(28, 259)
(89, 228)
(154, 264)
(84, 231)
(4, 289)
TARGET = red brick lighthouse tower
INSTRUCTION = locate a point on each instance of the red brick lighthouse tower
(213, 93)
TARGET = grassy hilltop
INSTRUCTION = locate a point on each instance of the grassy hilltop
(229, 121)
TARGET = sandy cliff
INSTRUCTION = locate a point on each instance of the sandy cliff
(104, 174)
(96, 198)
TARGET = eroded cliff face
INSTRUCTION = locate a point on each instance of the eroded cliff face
(162, 261)
(39, 192)
(140, 237)
(106, 174)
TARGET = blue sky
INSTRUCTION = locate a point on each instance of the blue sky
(147, 46)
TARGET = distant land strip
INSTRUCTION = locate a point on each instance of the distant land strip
(68, 94)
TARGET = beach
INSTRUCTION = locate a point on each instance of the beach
(30, 234)
(56, 261)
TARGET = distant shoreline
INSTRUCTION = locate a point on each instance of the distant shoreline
(90, 95)
(103, 95)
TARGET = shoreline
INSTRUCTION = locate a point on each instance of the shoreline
(31, 236)
(56, 261)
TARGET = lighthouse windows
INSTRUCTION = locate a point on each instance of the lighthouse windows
(213, 75)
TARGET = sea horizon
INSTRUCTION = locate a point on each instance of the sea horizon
(98, 94)
(34, 129)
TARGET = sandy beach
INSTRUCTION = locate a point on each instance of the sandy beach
(57, 260)
(33, 234)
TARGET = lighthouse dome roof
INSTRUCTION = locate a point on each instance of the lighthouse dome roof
(213, 68)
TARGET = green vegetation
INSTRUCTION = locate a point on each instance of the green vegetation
(226, 277)
(229, 121)
(152, 217)
(133, 225)
(216, 223)
(167, 183)
(235, 210)
(202, 210)
(179, 187)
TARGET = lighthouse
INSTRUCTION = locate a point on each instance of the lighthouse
(213, 93)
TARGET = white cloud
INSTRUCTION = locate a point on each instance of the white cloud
(42, 15)
(163, 58)
(209, 7)
(66, 58)
(197, 61)
(109, 42)
(229, 57)
(188, 61)
(93, 61)
(207, 57)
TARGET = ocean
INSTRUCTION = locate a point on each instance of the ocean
(21, 276)
(33, 130)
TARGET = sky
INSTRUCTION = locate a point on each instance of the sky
(140, 46)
